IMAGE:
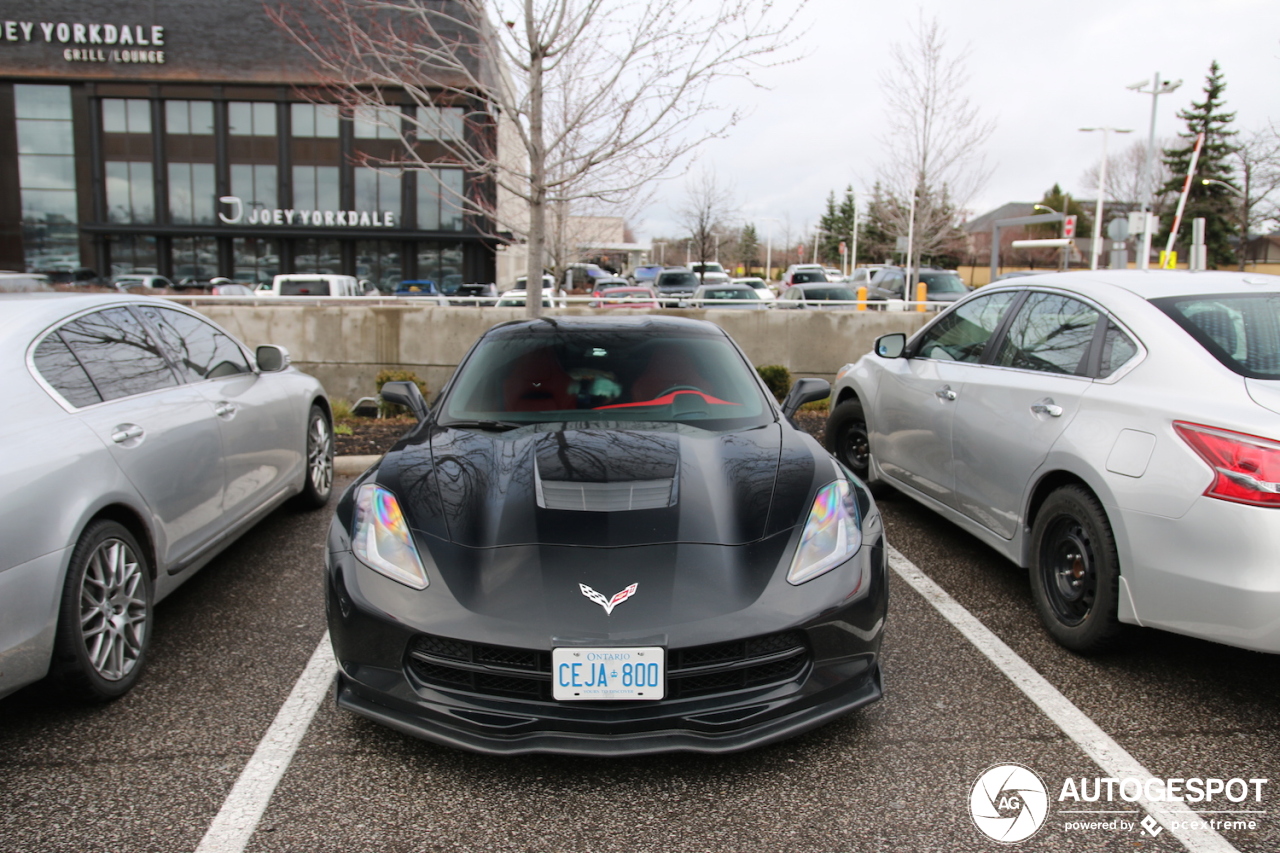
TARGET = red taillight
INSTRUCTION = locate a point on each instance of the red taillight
(1246, 467)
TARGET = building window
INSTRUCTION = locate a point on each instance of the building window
(316, 188)
(134, 254)
(189, 118)
(195, 259)
(191, 193)
(441, 123)
(245, 118)
(440, 198)
(255, 185)
(379, 261)
(46, 175)
(377, 191)
(126, 116)
(376, 122)
(441, 263)
(130, 193)
(317, 255)
(256, 260)
(314, 121)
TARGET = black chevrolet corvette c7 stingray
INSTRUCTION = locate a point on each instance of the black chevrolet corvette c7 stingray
(606, 538)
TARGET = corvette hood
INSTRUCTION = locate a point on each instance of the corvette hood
(602, 488)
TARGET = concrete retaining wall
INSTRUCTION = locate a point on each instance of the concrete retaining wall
(345, 345)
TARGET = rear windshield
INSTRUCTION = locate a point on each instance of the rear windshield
(812, 293)
(679, 279)
(1240, 330)
(304, 287)
(943, 282)
(607, 376)
(730, 293)
(802, 276)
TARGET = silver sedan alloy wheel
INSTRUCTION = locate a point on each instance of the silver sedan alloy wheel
(113, 610)
(320, 454)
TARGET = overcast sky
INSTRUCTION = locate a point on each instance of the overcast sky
(1041, 70)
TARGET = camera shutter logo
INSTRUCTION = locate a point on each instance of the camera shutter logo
(1008, 803)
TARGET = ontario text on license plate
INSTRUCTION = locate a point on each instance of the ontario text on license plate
(616, 672)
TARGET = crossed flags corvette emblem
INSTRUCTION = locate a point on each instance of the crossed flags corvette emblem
(608, 603)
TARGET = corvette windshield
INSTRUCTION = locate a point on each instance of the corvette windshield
(596, 376)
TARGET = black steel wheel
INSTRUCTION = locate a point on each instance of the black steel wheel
(104, 624)
(319, 482)
(848, 440)
(1075, 571)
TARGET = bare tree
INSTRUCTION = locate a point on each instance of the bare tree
(1257, 157)
(1126, 173)
(707, 206)
(600, 96)
(934, 137)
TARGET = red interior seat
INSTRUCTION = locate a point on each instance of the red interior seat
(538, 384)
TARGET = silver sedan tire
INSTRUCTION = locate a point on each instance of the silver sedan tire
(104, 625)
(319, 480)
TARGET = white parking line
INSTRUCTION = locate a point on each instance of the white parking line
(244, 806)
(1097, 744)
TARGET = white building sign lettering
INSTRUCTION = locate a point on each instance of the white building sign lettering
(313, 218)
(128, 43)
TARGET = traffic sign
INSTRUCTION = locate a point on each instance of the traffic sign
(1069, 226)
(844, 250)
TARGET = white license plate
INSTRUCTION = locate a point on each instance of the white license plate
(614, 672)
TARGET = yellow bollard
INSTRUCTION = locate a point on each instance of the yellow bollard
(922, 296)
(862, 298)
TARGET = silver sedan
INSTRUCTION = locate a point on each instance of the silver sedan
(142, 439)
(1116, 433)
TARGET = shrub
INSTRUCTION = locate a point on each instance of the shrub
(387, 410)
(341, 409)
(777, 378)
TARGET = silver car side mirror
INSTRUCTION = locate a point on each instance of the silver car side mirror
(891, 346)
(272, 358)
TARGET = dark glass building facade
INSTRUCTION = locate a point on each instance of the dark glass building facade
(188, 139)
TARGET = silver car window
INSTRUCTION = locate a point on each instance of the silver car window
(200, 350)
(962, 334)
(59, 367)
(1051, 333)
(115, 350)
(1117, 349)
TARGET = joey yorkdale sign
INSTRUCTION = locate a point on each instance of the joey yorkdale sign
(237, 214)
(83, 41)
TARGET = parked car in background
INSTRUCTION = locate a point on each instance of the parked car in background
(645, 274)
(625, 297)
(1113, 432)
(77, 276)
(833, 274)
(548, 283)
(760, 286)
(150, 439)
(891, 283)
(24, 282)
(727, 295)
(482, 295)
(312, 284)
(619, 489)
(606, 281)
(709, 273)
(803, 274)
(818, 294)
(142, 283)
(232, 288)
(419, 287)
(518, 298)
(674, 286)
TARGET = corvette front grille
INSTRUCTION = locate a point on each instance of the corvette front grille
(486, 670)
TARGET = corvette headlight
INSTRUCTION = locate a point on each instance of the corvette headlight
(832, 534)
(381, 537)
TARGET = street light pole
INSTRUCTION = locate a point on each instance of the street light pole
(1096, 248)
(1148, 179)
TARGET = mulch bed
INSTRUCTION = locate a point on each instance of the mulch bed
(374, 436)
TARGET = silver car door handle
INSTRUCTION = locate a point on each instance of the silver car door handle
(945, 393)
(1047, 409)
(224, 410)
(125, 433)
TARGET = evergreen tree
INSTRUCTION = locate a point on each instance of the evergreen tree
(837, 223)
(1212, 201)
(749, 247)
(1055, 198)
(876, 233)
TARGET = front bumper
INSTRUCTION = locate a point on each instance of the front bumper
(380, 678)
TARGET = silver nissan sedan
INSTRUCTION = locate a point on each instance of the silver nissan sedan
(1115, 433)
(142, 440)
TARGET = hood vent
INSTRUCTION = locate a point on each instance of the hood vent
(606, 497)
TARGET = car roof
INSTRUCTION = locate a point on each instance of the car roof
(1148, 284)
(655, 323)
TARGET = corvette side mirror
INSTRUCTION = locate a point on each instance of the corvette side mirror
(805, 391)
(406, 394)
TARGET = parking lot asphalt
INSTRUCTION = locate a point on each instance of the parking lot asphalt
(151, 771)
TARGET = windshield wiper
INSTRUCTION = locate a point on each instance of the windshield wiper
(492, 426)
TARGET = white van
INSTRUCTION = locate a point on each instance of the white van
(313, 284)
